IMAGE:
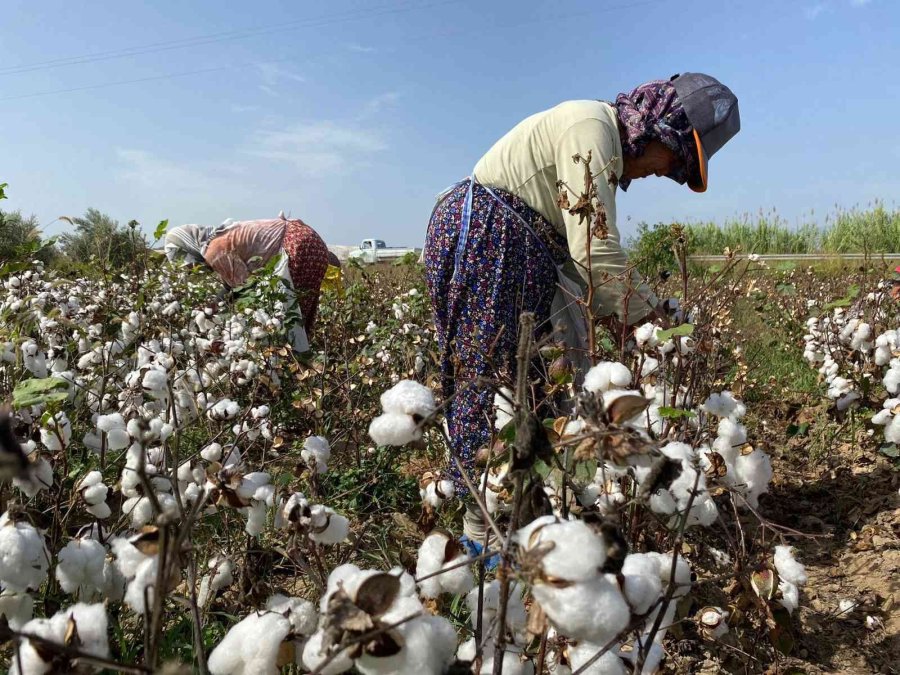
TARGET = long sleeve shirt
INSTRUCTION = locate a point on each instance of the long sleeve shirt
(534, 155)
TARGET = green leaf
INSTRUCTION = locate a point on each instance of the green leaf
(797, 429)
(890, 450)
(845, 301)
(585, 471)
(508, 432)
(683, 330)
(3, 187)
(161, 229)
(40, 390)
(675, 413)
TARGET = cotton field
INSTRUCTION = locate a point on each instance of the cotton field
(182, 492)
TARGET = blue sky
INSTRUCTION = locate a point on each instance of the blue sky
(352, 115)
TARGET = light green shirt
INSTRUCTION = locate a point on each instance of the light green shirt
(528, 162)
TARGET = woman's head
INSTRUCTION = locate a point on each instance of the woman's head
(186, 244)
(663, 125)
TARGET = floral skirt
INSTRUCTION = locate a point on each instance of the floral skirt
(307, 261)
(503, 270)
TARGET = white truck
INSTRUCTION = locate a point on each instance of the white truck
(371, 251)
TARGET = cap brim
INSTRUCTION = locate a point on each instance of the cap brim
(698, 183)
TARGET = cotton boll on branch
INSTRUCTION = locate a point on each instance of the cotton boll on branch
(24, 558)
(593, 610)
(81, 567)
(251, 646)
(315, 453)
(394, 429)
(605, 376)
(408, 397)
(88, 622)
(440, 559)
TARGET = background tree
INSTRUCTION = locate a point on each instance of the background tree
(20, 237)
(98, 237)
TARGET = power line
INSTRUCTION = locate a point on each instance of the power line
(168, 76)
(213, 38)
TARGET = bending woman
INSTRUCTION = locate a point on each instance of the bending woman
(236, 249)
(496, 240)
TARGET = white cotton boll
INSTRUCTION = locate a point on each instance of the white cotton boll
(57, 433)
(649, 366)
(516, 616)
(260, 412)
(432, 559)
(80, 568)
(892, 377)
(428, 644)
(141, 589)
(39, 477)
(503, 404)
(18, 608)
(608, 664)
(256, 518)
(328, 527)
(605, 376)
(394, 429)
(575, 552)
(212, 452)
(731, 436)
(642, 586)
(752, 473)
(99, 510)
(155, 383)
(437, 492)
(790, 595)
(682, 579)
(314, 655)
(251, 646)
(724, 404)
(645, 335)
(892, 430)
(24, 558)
(787, 566)
(408, 397)
(315, 453)
(221, 574)
(107, 423)
(117, 439)
(301, 613)
(840, 386)
(140, 509)
(591, 610)
(90, 622)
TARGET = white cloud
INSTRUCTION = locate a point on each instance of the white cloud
(378, 103)
(274, 76)
(362, 49)
(146, 171)
(318, 148)
(813, 11)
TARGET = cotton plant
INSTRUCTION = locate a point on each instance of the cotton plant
(220, 575)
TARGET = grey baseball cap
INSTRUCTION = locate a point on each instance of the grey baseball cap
(712, 110)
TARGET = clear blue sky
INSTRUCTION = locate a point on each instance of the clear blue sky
(352, 115)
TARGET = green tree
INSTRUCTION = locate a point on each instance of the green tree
(20, 237)
(98, 237)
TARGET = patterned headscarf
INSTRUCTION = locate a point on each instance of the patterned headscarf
(653, 111)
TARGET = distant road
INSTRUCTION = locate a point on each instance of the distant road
(811, 257)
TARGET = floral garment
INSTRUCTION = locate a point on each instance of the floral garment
(307, 261)
(503, 270)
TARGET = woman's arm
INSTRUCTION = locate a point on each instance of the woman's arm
(615, 285)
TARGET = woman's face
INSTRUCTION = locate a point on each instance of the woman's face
(657, 160)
